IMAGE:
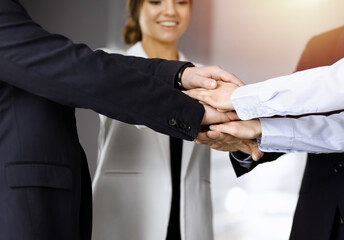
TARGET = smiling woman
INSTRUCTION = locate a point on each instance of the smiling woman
(148, 186)
(162, 23)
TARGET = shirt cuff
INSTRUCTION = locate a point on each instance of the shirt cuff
(277, 135)
(246, 101)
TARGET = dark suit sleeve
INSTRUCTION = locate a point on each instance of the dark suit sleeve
(164, 70)
(132, 90)
(240, 170)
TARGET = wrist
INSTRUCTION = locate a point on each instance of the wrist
(258, 129)
(178, 79)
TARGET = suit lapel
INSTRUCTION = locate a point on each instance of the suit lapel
(188, 148)
(164, 147)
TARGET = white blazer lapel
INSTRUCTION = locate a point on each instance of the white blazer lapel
(164, 142)
(188, 148)
(137, 51)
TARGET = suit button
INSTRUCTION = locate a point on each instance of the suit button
(338, 167)
(184, 126)
(172, 122)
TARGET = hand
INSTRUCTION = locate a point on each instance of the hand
(250, 129)
(212, 116)
(229, 143)
(219, 98)
(206, 77)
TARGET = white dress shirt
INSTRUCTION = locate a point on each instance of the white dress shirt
(317, 90)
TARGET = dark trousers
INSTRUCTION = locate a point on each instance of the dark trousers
(338, 228)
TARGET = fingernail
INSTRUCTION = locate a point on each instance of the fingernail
(212, 84)
(212, 127)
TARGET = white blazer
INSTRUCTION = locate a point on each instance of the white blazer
(132, 186)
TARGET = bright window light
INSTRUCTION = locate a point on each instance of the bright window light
(309, 2)
(236, 200)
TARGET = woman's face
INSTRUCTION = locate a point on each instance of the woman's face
(164, 20)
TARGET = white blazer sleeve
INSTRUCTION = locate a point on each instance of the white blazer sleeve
(316, 90)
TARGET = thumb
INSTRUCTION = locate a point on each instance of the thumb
(201, 82)
(193, 78)
(257, 154)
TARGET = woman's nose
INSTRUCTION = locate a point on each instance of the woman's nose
(170, 8)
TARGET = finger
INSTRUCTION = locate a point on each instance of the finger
(202, 136)
(233, 116)
(257, 154)
(234, 79)
(221, 110)
(194, 92)
(206, 83)
(225, 128)
(213, 135)
(198, 94)
(212, 116)
(200, 82)
(220, 74)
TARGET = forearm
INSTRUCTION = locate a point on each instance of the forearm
(314, 134)
(164, 70)
(311, 91)
(51, 66)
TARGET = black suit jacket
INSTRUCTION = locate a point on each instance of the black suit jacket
(45, 190)
(321, 190)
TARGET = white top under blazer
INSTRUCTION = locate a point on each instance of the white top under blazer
(132, 187)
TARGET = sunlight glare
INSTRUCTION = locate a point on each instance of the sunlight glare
(236, 200)
(309, 2)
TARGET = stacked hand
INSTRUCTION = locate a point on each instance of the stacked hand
(213, 87)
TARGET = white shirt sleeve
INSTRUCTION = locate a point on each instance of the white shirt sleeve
(314, 134)
(316, 90)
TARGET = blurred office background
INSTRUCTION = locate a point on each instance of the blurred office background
(256, 40)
